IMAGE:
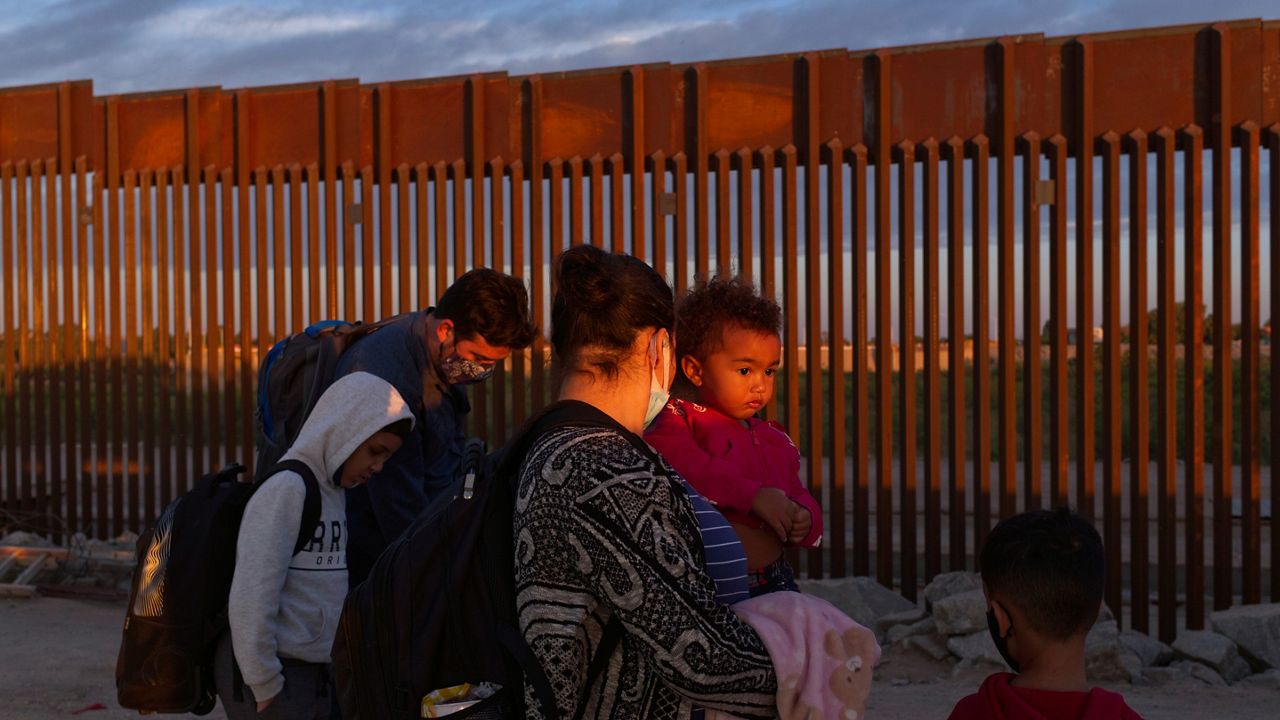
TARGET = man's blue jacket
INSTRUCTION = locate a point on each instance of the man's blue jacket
(425, 464)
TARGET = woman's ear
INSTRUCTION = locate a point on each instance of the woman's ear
(692, 369)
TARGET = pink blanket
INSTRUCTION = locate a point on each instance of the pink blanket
(822, 658)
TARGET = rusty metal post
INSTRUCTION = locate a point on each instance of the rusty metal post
(1166, 369)
(1139, 390)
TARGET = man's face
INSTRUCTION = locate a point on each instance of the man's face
(469, 359)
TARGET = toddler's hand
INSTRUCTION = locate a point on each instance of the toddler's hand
(774, 508)
(801, 522)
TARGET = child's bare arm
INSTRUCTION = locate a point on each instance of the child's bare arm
(774, 508)
(799, 495)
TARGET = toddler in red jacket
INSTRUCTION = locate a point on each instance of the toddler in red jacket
(729, 349)
(1043, 573)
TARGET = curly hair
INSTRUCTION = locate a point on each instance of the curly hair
(712, 305)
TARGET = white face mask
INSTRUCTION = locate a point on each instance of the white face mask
(658, 393)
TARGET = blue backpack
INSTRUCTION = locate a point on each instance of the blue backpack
(294, 374)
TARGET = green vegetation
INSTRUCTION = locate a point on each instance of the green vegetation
(153, 385)
(1100, 408)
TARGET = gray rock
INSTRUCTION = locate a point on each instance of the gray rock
(974, 648)
(1175, 674)
(977, 666)
(1132, 665)
(1203, 673)
(1255, 629)
(1269, 679)
(1216, 651)
(19, 538)
(907, 617)
(962, 613)
(861, 598)
(948, 584)
(1152, 652)
(1103, 632)
(929, 645)
(1106, 659)
(926, 626)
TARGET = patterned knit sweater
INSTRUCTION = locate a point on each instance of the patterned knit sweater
(604, 529)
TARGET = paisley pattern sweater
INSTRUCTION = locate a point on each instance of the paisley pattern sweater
(603, 528)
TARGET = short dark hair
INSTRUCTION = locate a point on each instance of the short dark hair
(399, 428)
(1050, 564)
(711, 306)
(601, 301)
(490, 304)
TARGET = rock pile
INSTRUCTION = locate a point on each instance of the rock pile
(1242, 646)
(82, 565)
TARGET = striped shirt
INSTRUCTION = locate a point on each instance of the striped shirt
(725, 559)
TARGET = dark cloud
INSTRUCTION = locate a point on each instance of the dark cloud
(800, 26)
(132, 45)
(72, 40)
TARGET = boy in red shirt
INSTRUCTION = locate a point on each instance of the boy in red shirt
(1043, 574)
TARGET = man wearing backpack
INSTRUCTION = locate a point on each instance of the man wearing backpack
(429, 356)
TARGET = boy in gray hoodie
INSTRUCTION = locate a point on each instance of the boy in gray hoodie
(284, 608)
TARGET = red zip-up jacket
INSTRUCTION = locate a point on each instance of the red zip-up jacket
(729, 462)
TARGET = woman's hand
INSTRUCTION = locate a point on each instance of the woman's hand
(774, 508)
(801, 522)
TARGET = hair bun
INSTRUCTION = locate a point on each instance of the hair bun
(585, 278)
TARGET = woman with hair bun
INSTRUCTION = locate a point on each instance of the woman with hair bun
(608, 535)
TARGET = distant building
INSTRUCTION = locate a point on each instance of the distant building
(1073, 335)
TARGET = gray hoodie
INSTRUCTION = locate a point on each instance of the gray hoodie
(284, 605)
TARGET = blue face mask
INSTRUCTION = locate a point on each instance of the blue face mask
(658, 393)
(1001, 642)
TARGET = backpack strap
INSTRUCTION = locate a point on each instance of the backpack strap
(556, 415)
(608, 642)
(561, 413)
(310, 506)
(310, 516)
(537, 677)
(514, 643)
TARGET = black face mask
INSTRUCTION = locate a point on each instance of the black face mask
(1002, 643)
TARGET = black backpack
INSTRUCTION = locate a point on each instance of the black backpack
(293, 375)
(438, 609)
(178, 599)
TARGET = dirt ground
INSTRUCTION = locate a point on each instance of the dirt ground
(59, 659)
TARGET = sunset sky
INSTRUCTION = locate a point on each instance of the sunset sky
(141, 45)
(134, 45)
